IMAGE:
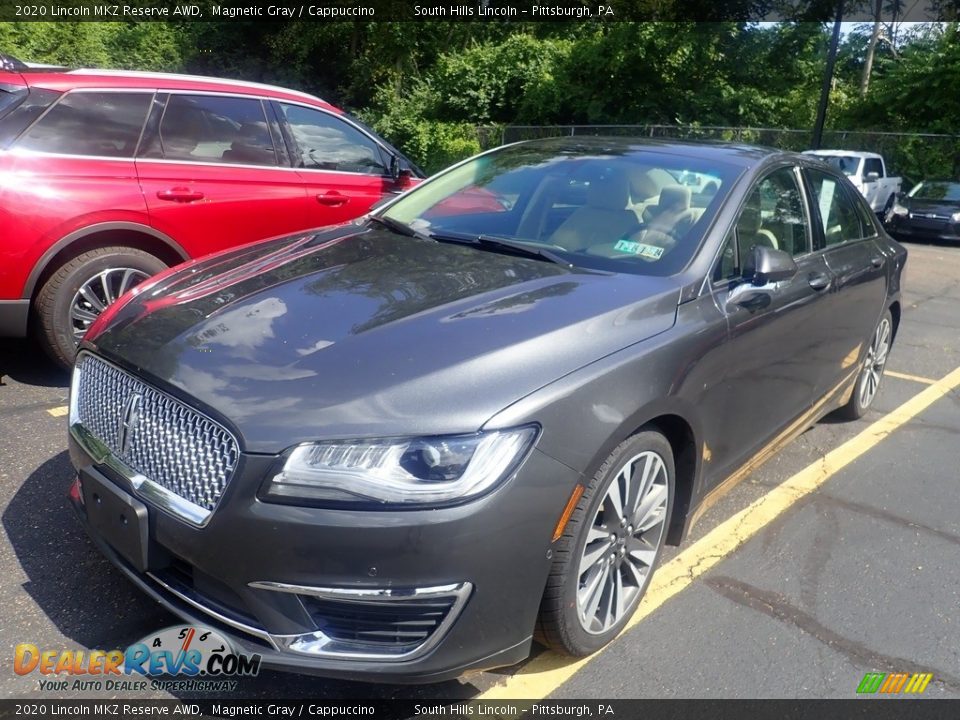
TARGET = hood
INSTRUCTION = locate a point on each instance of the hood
(361, 332)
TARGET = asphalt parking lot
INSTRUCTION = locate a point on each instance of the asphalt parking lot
(837, 557)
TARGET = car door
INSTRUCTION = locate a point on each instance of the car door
(342, 168)
(70, 169)
(872, 180)
(772, 355)
(844, 235)
(215, 174)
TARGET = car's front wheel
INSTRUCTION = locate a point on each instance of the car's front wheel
(78, 291)
(606, 556)
(871, 373)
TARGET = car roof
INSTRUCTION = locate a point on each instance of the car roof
(731, 153)
(87, 78)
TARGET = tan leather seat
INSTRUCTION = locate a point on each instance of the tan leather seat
(670, 219)
(750, 232)
(603, 219)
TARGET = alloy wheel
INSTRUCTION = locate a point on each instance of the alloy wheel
(622, 543)
(96, 293)
(874, 363)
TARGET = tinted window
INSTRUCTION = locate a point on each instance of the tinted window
(868, 220)
(105, 124)
(202, 128)
(872, 165)
(10, 95)
(772, 216)
(838, 215)
(328, 143)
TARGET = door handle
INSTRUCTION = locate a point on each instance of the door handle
(818, 280)
(876, 262)
(332, 198)
(180, 194)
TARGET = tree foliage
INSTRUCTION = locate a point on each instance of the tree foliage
(426, 85)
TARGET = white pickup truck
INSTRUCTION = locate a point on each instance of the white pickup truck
(868, 172)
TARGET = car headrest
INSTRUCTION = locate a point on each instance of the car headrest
(674, 197)
(750, 221)
(642, 186)
(609, 191)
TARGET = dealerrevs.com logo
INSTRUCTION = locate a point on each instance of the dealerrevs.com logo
(184, 651)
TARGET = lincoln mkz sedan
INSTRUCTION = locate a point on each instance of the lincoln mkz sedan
(404, 447)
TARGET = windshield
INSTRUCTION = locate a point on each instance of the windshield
(844, 163)
(946, 191)
(617, 209)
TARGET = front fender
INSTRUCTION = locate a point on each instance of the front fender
(587, 413)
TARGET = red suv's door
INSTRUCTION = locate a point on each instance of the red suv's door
(72, 169)
(342, 168)
(215, 173)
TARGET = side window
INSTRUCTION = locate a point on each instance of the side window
(838, 214)
(105, 124)
(773, 216)
(872, 165)
(216, 129)
(327, 143)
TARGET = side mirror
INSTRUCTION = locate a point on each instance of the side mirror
(401, 175)
(871, 176)
(767, 265)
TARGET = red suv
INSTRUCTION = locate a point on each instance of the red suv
(107, 177)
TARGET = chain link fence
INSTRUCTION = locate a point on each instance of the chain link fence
(915, 156)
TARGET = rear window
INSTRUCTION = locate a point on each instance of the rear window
(101, 124)
(10, 97)
(844, 163)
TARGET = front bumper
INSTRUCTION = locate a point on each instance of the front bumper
(944, 232)
(224, 575)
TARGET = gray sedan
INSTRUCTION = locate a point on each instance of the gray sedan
(404, 447)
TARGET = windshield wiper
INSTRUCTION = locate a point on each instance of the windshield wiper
(498, 243)
(528, 250)
(477, 241)
(398, 227)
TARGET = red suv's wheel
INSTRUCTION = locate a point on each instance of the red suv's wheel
(73, 297)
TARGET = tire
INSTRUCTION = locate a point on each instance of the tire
(871, 371)
(62, 313)
(573, 620)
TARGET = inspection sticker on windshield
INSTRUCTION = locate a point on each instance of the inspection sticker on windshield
(642, 249)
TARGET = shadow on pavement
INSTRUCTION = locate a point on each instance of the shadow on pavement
(24, 362)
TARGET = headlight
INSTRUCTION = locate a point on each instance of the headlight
(431, 470)
(955, 217)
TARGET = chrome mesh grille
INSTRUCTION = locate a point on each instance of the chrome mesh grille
(170, 443)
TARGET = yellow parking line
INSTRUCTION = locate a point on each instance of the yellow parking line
(59, 411)
(546, 672)
(907, 376)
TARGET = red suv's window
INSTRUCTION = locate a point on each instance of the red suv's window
(105, 124)
(328, 143)
(209, 128)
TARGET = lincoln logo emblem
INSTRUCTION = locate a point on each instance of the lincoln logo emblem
(128, 421)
